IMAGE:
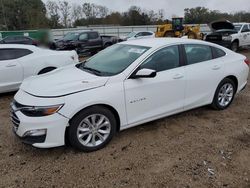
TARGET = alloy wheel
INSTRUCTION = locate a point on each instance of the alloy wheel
(225, 95)
(93, 130)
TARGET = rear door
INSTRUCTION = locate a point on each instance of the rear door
(203, 74)
(11, 71)
(148, 98)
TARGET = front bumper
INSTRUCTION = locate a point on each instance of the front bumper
(226, 44)
(55, 126)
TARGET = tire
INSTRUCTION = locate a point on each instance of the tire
(225, 92)
(235, 46)
(192, 35)
(169, 34)
(46, 70)
(82, 129)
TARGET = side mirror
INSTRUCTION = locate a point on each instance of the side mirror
(144, 73)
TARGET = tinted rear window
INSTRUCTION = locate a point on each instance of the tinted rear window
(217, 53)
(9, 54)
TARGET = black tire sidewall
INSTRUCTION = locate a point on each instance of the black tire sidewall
(236, 45)
(215, 103)
(74, 123)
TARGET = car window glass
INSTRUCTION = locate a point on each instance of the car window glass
(9, 39)
(93, 35)
(245, 29)
(146, 34)
(139, 34)
(9, 54)
(116, 58)
(217, 53)
(197, 53)
(164, 59)
(83, 36)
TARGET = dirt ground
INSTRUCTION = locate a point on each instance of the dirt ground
(199, 148)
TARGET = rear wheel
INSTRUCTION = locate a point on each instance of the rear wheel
(192, 35)
(224, 94)
(92, 129)
(169, 34)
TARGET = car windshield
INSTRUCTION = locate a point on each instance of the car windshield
(131, 34)
(113, 60)
(71, 36)
(238, 26)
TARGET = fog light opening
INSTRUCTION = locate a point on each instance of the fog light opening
(38, 132)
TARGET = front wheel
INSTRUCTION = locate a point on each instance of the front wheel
(235, 46)
(92, 129)
(224, 94)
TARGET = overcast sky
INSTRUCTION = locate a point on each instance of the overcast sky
(171, 7)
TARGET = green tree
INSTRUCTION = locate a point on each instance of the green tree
(23, 14)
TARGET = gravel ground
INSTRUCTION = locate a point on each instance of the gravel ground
(198, 148)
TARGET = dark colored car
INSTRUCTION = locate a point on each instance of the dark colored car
(221, 33)
(84, 42)
(19, 40)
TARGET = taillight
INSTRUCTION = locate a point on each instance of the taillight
(247, 62)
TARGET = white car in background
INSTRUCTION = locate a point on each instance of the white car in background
(125, 85)
(138, 35)
(18, 62)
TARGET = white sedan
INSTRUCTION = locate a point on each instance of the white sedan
(18, 62)
(125, 85)
(139, 35)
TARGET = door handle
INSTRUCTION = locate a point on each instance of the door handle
(216, 67)
(178, 76)
(11, 65)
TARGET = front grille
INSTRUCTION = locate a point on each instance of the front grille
(15, 120)
(213, 38)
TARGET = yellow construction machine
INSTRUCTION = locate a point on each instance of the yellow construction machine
(177, 29)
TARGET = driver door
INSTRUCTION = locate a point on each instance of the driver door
(150, 98)
(245, 35)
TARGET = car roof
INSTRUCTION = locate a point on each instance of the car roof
(159, 42)
(240, 23)
(23, 46)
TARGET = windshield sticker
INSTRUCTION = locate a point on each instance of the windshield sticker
(136, 50)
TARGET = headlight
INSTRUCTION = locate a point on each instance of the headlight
(227, 38)
(34, 111)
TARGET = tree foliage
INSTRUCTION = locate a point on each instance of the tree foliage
(34, 14)
(22, 14)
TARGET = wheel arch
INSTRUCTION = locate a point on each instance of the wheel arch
(50, 68)
(236, 40)
(109, 107)
(234, 79)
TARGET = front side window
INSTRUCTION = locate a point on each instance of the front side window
(197, 53)
(71, 36)
(113, 60)
(164, 59)
(10, 54)
(83, 36)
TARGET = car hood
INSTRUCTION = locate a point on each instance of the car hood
(62, 82)
(221, 25)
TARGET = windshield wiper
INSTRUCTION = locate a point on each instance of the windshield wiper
(97, 72)
(89, 69)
